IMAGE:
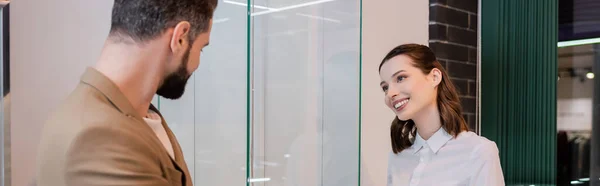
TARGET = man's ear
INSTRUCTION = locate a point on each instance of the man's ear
(179, 39)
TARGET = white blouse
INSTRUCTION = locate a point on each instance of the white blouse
(468, 160)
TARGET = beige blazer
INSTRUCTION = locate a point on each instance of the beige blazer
(97, 138)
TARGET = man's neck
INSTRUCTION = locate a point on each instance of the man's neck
(134, 70)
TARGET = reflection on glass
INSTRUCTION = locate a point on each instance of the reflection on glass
(575, 97)
(305, 82)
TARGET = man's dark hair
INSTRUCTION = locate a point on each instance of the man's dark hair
(143, 20)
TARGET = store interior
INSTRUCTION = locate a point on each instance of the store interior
(575, 89)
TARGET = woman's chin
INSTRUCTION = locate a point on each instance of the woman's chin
(402, 117)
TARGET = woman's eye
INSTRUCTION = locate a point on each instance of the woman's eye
(400, 78)
(384, 88)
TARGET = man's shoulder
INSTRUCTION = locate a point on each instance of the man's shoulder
(82, 112)
(83, 104)
(84, 108)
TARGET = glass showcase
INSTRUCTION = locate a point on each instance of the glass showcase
(275, 100)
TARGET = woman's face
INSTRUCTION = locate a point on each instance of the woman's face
(408, 91)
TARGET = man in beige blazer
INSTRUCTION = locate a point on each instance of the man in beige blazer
(106, 132)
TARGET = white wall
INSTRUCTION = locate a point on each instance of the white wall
(51, 44)
(574, 104)
(386, 24)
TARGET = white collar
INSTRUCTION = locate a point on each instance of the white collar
(435, 142)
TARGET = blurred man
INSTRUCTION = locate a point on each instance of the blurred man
(107, 132)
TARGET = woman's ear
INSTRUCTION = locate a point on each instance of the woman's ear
(436, 77)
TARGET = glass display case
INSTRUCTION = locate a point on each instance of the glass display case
(275, 100)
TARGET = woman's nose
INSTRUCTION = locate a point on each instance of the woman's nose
(392, 93)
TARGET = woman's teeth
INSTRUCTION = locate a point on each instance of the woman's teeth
(399, 104)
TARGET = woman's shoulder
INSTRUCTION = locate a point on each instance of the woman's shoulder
(481, 146)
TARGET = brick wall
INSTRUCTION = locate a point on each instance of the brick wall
(453, 38)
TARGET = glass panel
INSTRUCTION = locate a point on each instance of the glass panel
(220, 101)
(210, 119)
(5, 173)
(304, 96)
(305, 82)
(575, 97)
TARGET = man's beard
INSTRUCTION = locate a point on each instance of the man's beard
(173, 86)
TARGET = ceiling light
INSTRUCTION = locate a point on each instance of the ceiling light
(251, 180)
(578, 42)
(319, 18)
(215, 21)
(246, 5)
(589, 75)
(290, 7)
(576, 182)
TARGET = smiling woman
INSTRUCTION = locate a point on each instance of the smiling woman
(429, 128)
(418, 75)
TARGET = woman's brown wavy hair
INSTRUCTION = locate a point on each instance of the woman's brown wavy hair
(403, 132)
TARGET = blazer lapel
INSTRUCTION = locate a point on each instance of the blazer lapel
(111, 92)
(178, 161)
